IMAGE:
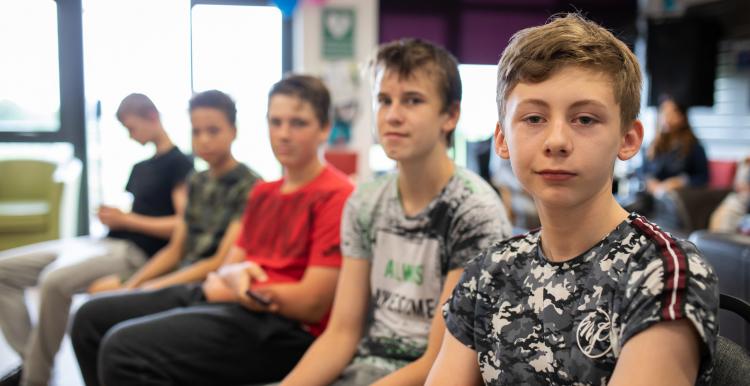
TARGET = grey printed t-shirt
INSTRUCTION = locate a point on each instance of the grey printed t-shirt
(534, 322)
(410, 256)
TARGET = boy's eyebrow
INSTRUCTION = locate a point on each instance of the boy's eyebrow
(413, 94)
(588, 102)
(408, 94)
(537, 102)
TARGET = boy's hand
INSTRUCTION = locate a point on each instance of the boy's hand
(239, 277)
(112, 217)
(106, 283)
(216, 290)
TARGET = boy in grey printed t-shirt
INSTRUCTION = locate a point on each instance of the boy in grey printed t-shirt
(406, 236)
(411, 255)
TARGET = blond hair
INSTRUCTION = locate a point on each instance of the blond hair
(535, 54)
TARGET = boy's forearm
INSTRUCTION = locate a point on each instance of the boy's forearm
(324, 361)
(297, 304)
(162, 262)
(415, 373)
(192, 273)
(161, 227)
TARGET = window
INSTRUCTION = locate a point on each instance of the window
(29, 74)
(237, 49)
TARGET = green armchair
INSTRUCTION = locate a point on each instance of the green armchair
(30, 201)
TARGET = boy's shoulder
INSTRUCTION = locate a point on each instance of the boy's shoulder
(507, 251)
(472, 182)
(332, 179)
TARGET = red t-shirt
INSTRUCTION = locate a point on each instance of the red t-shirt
(287, 232)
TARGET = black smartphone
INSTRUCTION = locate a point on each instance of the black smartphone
(264, 301)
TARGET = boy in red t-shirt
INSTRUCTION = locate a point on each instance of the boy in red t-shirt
(252, 320)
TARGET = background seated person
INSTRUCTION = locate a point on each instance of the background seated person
(675, 158)
(736, 206)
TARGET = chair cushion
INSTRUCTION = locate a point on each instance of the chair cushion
(23, 216)
(731, 364)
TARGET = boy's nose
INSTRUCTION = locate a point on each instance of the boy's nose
(558, 139)
(394, 114)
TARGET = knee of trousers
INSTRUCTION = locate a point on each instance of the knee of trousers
(123, 349)
(83, 323)
(57, 284)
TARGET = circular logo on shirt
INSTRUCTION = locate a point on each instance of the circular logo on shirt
(593, 334)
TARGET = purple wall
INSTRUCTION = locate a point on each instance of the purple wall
(485, 35)
(477, 31)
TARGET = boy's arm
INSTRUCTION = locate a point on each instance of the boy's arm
(161, 226)
(415, 373)
(198, 270)
(456, 365)
(334, 349)
(163, 261)
(307, 300)
(665, 354)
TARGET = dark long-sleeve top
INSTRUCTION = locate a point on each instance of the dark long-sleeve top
(673, 163)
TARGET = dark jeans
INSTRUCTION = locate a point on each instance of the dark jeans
(172, 336)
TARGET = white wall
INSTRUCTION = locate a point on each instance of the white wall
(308, 59)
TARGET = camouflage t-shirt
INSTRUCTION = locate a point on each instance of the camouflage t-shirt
(410, 256)
(534, 322)
(213, 203)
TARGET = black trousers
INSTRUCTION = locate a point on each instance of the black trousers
(173, 337)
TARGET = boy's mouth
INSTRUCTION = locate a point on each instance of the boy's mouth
(556, 175)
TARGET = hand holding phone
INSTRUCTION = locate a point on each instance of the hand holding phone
(261, 299)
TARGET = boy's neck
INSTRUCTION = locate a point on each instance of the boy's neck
(223, 166)
(564, 238)
(419, 181)
(162, 142)
(295, 178)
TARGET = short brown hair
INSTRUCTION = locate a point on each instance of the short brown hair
(535, 54)
(309, 89)
(406, 56)
(138, 105)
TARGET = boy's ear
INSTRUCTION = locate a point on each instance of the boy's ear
(501, 144)
(454, 113)
(631, 141)
(325, 131)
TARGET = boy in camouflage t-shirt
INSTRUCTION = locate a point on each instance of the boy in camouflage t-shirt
(406, 236)
(596, 296)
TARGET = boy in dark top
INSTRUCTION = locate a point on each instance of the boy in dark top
(287, 257)
(158, 189)
(596, 296)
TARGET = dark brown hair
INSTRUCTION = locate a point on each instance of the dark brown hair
(218, 100)
(681, 138)
(309, 89)
(406, 56)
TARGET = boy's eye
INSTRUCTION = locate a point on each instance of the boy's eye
(384, 100)
(412, 101)
(534, 119)
(196, 132)
(213, 130)
(273, 122)
(586, 120)
(298, 123)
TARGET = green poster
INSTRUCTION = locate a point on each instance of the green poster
(338, 33)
